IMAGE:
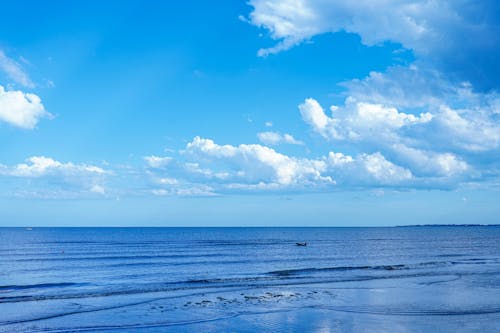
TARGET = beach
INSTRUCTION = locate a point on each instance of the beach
(414, 279)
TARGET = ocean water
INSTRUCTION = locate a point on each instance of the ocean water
(405, 279)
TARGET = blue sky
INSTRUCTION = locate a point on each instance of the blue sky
(249, 113)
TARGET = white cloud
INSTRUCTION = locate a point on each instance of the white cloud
(472, 131)
(339, 159)
(168, 181)
(371, 116)
(367, 170)
(39, 166)
(384, 171)
(255, 164)
(462, 119)
(45, 177)
(435, 30)
(199, 190)
(432, 164)
(274, 138)
(14, 71)
(438, 117)
(403, 87)
(157, 162)
(358, 120)
(314, 115)
(191, 190)
(420, 144)
(259, 168)
(98, 189)
(292, 21)
(21, 109)
(415, 87)
(253, 167)
(197, 169)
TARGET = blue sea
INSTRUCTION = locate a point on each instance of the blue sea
(400, 279)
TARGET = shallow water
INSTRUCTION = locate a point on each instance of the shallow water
(410, 279)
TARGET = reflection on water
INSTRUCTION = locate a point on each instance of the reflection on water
(411, 279)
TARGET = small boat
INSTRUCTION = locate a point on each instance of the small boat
(301, 244)
(29, 229)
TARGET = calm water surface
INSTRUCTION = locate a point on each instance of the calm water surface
(411, 279)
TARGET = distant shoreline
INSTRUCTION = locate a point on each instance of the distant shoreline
(449, 225)
(28, 228)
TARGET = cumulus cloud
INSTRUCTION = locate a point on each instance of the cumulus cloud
(471, 131)
(444, 144)
(157, 162)
(205, 167)
(359, 120)
(256, 163)
(45, 175)
(430, 164)
(383, 170)
(438, 117)
(405, 87)
(38, 166)
(275, 138)
(409, 168)
(293, 21)
(260, 168)
(419, 87)
(461, 118)
(21, 109)
(367, 170)
(476, 120)
(450, 34)
(14, 71)
(314, 115)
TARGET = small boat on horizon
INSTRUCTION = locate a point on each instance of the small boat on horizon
(301, 244)
(29, 229)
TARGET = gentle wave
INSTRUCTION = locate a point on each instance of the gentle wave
(288, 272)
(219, 283)
(414, 311)
(39, 286)
(277, 277)
(390, 267)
